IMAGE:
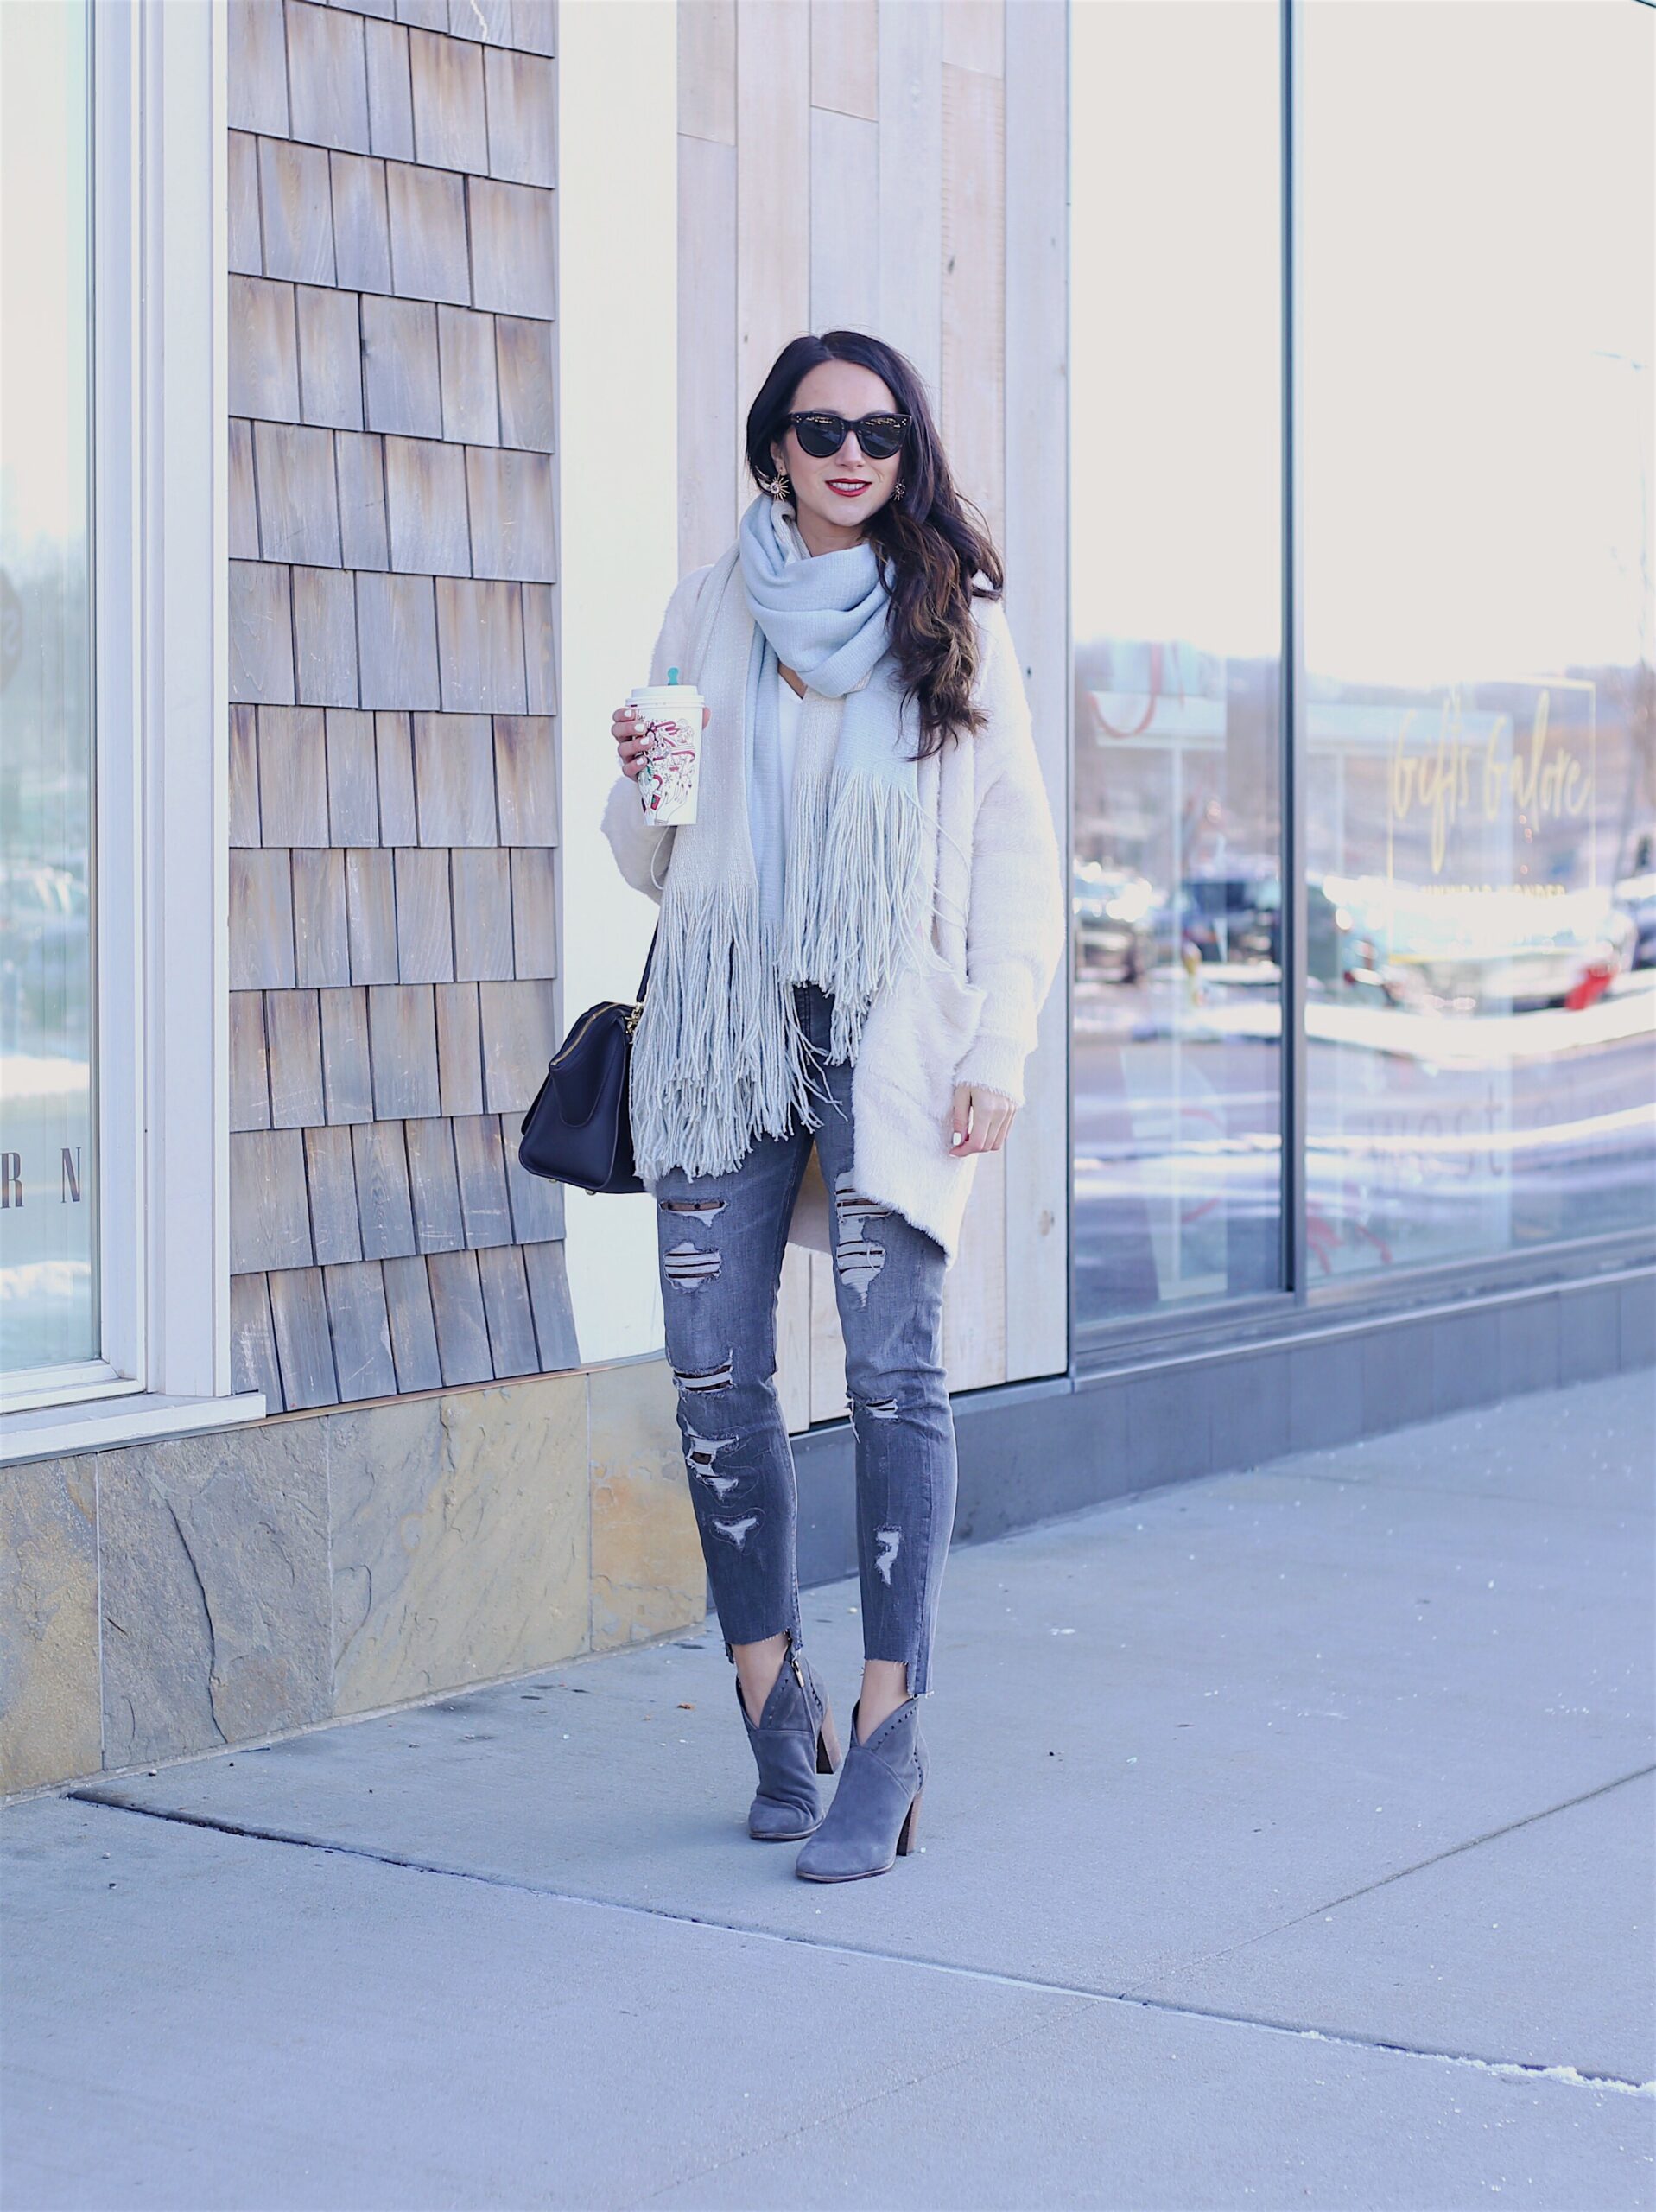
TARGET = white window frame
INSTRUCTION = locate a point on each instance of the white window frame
(160, 875)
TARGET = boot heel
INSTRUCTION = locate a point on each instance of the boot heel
(828, 1745)
(911, 1820)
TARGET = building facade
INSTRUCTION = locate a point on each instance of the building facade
(385, 365)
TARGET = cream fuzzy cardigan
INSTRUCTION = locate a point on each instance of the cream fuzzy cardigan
(998, 929)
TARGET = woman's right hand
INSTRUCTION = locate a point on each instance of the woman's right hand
(626, 727)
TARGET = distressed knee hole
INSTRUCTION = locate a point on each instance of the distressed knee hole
(689, 1266)
(702, 1208)
(702, 1459)
(737, 1532)
(697, 1379)
(890, 1542)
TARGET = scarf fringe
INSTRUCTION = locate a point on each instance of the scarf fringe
(719, 1057)
(859, 909)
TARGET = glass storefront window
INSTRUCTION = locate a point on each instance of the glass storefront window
(1480, 717)
(48, 1271)
(1176, 565)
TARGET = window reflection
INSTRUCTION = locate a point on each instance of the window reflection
(1480, 813)
(48, 1273)
(1175, 560)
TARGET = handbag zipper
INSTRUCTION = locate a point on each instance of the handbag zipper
(634, 1014)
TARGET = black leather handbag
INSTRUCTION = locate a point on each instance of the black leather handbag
(578, 1129)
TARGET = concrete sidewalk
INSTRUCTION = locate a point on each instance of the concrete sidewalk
(1289, 1843)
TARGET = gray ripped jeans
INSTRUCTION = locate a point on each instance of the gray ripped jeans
(721, 1240)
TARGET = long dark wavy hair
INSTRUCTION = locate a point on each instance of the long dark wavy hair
(936, 540)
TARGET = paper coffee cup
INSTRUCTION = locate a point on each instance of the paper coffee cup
(672, 736)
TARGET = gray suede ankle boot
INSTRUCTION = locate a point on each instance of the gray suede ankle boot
(871, 1823)
(795, 1741)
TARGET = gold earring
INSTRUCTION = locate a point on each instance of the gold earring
(781, 488)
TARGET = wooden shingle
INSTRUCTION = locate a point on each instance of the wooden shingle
(261, 634)
(298, 219)
(522, 113)
(252, 1341)
(509, 496)
(506, 1309)
(402, 1045)
(331, 1174)
(264, 350)
(327, 78)
(362, 238)
(534, 25)
(423, 14)
(383, 1213)
(534, 912)
(481, 19)
(459, 1049)
(536, 1201)
(414, 1336)
(362, 1333)
(480, 914)
(453, 780)
(270, 1220)
(466, 351)
(304, 1346)
(427, 217)
(347, 1081)
(524, 354)
(293, 777)
(482, 1169)
(425, 932)
(330, 357)
(244, 501)
(519, 1037)
(526, 779)
(399, 823)
(250, 1072)
(433, 1186)
(450, 130)
(295, 1049)
(321, 932)
(513, 248)
(325, 637)
(360, 467)
(353, 792)
(457, 1308)
(298, 504)
(258, 67)
(401, 391)
(540, 649)
(397, 623)
(481, 647)
(246, 252)
(425, 506)
(553, 1307)
(370, 904)
(261, 921)
(244, 776)
(391, 116)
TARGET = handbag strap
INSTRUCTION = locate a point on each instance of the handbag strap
(650, 959)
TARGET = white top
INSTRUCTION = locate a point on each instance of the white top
(788, 704)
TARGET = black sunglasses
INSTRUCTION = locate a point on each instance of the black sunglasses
(820, 435)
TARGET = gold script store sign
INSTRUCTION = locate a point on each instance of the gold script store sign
(1526, 768)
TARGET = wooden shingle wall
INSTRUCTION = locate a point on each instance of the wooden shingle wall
(395, 863)
(843, 162)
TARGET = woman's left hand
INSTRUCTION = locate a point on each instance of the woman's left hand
(980, 1119)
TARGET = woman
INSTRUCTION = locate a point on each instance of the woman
(857, 934)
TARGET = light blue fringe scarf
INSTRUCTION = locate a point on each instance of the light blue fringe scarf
(836, 893)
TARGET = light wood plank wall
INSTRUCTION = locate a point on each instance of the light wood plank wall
(899, 166)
